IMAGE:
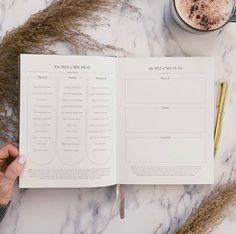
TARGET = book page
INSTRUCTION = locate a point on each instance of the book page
(165, 120)
(67, 121)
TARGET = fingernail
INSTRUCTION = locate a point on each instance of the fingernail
(21, 159)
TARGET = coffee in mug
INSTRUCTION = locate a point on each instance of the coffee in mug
(202, 15)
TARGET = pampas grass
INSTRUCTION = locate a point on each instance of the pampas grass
(62, 21)
(210, 213)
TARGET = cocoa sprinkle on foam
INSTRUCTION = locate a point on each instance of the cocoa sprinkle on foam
(204, 14)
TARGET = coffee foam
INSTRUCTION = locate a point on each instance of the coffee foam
(205, 14)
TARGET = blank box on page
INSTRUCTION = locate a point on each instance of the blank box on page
(164, 149)
(165, 120)
(149, 91)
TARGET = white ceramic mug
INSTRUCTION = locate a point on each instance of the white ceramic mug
(196, 14)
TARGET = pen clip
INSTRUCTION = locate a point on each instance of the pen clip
(224, 87)
(219, 95)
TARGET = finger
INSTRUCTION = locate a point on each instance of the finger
(7, 150)
(15, 168)
(5, 190)
(10, 142)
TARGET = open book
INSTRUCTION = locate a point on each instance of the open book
(89, 121)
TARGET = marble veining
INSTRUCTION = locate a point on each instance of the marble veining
(148, 31)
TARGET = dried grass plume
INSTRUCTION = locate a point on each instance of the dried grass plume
(210, 213)
(59, 22)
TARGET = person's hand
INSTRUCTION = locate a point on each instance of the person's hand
(11, 165)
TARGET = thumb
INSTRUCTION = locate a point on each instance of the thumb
(15, 168)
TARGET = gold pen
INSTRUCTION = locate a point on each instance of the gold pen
(220, 109)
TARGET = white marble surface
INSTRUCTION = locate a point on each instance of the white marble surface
(148, 209)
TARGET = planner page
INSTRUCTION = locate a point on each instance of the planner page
(67, 120)
(165, 120)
